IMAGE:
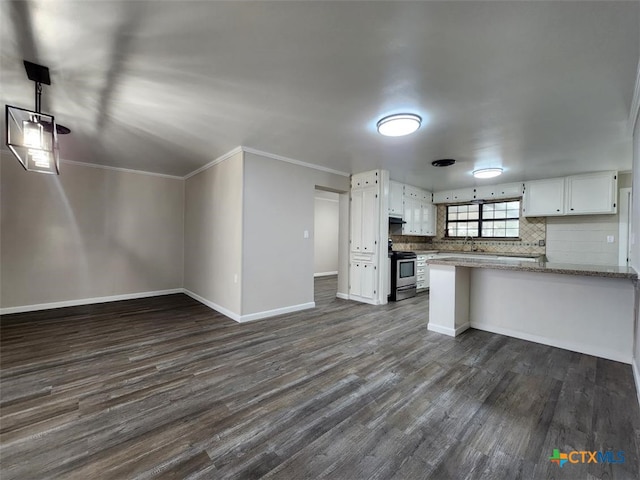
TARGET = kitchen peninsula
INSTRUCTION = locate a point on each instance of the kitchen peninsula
(583, 308)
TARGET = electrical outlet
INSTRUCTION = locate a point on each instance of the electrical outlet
(541, 243)
(306, 234)
(610, 238)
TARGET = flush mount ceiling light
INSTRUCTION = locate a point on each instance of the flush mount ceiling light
(487, 172)
(32, 136)
(399, 125)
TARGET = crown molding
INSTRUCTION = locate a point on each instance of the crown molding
(120, 169)
(294, 161)
(218, 160)
(4, 151)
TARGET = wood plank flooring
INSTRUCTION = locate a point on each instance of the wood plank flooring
(167, 388)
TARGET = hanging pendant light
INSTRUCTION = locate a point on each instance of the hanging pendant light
(32, 136)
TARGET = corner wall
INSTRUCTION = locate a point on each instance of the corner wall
(635, 246)
(213, 236)
(277, 260)
(88, 235)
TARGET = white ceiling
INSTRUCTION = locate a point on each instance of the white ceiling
(540, 88)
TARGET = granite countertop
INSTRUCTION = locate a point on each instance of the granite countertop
(608, 271)
(488, 254)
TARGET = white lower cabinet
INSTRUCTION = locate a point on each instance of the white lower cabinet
(363, 280)
(422, 272)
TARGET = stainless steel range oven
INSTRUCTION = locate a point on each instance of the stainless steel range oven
(403, 275)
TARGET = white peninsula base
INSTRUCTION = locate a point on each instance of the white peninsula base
(583, 313)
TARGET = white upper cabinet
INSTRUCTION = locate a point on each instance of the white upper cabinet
(411, 216)
(396, 193)
(428, 220)
(586, 194)
(544, 198)
(365, 179)
(442, 197)
(417, 212)
(454, 196)
(364, 212)
(484, 192)
(497, 192)
(591, 193)
(463, 194)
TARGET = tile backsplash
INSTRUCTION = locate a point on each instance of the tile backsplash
(532, 231)
(408, 243)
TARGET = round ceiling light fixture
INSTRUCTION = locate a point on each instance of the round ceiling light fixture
(399, 125)
(487, 172)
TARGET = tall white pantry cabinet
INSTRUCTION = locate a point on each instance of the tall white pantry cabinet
(368, 236)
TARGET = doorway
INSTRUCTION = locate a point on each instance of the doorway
(326, 236)
(331, 243)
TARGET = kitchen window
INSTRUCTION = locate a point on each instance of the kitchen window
(486, 220)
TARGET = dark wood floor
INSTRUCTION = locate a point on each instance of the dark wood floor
(165, 387)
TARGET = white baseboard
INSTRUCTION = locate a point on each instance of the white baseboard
(344, 296)
(251, 316)
(131, 296)
(554, 342)
(276, 311)
(636, 376)
(324, 274)
(462, 328)
(363, 300)
(226, 312)
(452, 332)
(87, 301)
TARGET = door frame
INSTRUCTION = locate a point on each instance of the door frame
(624, 231)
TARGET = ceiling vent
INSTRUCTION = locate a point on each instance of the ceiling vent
(444, 162)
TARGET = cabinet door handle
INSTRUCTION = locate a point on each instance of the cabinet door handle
(557, 210)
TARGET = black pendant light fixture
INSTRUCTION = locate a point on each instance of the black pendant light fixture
(32, 136)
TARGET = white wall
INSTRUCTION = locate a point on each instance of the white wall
(325, 238)
(343, 248)
(278, 207)
(88, 233)
(635, 246)
(585, 314)
(582, 239)
(213, 235)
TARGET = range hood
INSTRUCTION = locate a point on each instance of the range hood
(396, 221)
